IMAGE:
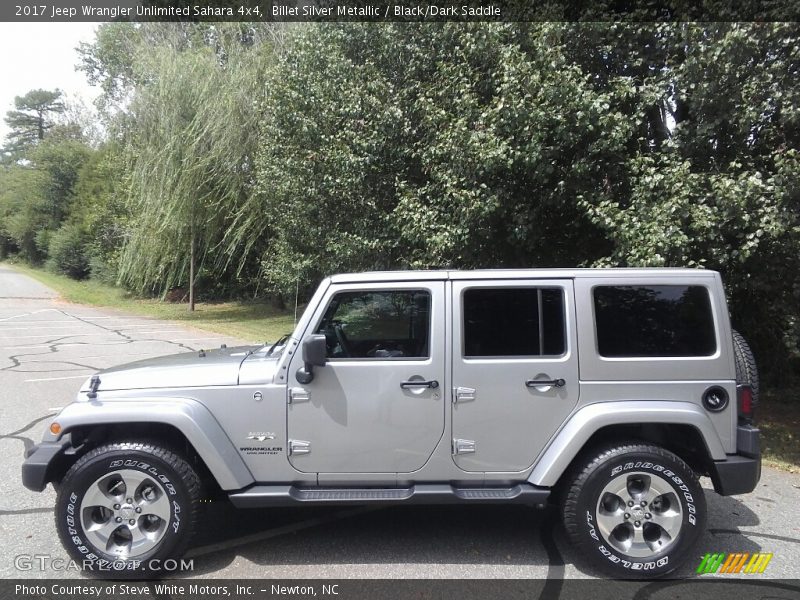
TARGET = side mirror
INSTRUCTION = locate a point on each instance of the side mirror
(315, 354)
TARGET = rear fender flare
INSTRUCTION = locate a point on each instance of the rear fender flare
(572, 437)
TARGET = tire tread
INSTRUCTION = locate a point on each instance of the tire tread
(188, 476)
(588, 463)
(746, 368)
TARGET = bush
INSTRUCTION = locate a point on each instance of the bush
(102, 267)
(68, 252)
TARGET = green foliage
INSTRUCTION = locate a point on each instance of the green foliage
(21, 211)
(108, 62)
(191, 167)
(721, 190)
(37, 195)
(32, 118)
(424, 146)
(96, 223)
(67, 251)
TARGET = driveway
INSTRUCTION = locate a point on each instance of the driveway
(49, 347)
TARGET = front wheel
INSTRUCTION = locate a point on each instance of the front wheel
(127, 509)
(635, 511)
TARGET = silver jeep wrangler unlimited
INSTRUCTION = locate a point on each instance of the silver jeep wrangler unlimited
(606, 391)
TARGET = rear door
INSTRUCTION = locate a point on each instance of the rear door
(515, 370)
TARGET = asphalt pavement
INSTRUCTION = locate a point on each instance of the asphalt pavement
(49, 347)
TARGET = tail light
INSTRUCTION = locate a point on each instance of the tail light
(746, 407)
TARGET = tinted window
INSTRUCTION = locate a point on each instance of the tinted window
(655, 320)
(392, 324)
(514, 322)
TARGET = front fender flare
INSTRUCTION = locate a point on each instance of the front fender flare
(586, 421)
(191, 418)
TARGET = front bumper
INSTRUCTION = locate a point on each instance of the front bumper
(740, 472)
(39, 461)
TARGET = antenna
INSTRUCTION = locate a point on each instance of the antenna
(296, 293)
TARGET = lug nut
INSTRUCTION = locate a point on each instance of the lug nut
(648, 516)
(132, 522)
(129, 500)
(138, 509)
(644, 503)
(116, 507)
(627, 515)
(118, 519)
(630, 502)
(638, 523)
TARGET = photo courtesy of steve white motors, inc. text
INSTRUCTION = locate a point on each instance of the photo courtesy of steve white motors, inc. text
(212, 590)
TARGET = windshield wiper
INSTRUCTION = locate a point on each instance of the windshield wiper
(280, 341)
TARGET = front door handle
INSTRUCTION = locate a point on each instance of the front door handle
(433, 384)
(543, 382)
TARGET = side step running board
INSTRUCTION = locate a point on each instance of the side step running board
(428, 493)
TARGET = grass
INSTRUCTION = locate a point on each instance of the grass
(250, 321)
(778, 417)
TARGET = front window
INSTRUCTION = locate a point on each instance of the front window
(380, 324)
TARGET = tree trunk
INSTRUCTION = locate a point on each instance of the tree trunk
(191, 272)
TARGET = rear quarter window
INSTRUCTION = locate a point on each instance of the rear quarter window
(654, 320)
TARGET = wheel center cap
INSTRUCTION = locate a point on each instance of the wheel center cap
(127, 511)
(637, 512)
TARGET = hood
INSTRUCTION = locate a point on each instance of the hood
(188, 369)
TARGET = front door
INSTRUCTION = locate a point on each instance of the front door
(378, 405)
(515, 370)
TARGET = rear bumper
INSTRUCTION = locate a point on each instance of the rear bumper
(740, 472)
(38, 463)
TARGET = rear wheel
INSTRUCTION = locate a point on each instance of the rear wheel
(126, 508)
(635, 511)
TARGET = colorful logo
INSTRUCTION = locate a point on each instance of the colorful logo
(738, 562)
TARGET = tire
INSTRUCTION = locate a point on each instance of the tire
(123, 509)
(626, 543)
(746, 370)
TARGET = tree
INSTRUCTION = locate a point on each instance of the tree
(190, 162)
(720, 190)
(88, 240)
(429, 146)
(117, 60)
(538, 145)
(37, 195)
(33, 118)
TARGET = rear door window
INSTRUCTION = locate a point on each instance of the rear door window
(525, 321)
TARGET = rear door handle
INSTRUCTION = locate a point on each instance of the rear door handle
(433, 384)
(543, 382)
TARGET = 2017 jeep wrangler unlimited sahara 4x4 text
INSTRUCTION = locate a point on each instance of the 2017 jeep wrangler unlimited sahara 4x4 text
(608, 391)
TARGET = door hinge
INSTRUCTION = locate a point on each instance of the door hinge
(299, 447)
(463, 446)
(463, 394)
(299, 395)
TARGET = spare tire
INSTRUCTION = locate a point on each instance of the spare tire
(746, 370)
